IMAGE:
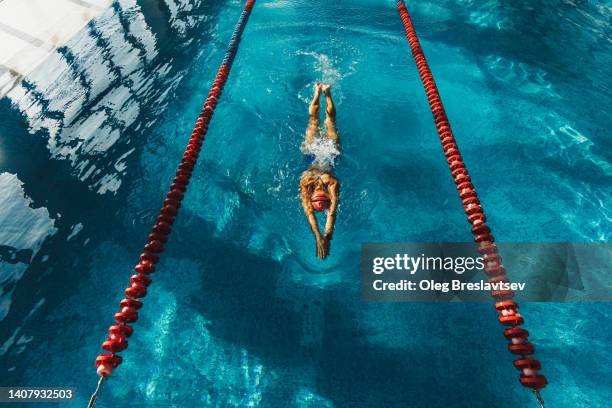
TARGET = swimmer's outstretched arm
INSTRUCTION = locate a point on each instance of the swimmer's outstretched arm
(334, 189)
(312, 221)
(309, 211)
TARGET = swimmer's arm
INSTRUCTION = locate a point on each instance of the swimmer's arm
(309, 212)
(334, 187)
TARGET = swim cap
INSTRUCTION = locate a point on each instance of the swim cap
(320, 201)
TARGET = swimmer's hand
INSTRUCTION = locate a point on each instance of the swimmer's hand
(322, 246)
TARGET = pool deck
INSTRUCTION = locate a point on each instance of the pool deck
(30, 30)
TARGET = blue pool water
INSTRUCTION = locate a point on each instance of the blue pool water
(241, 313)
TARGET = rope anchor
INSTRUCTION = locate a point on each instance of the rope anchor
(539, 398)
(94, 396)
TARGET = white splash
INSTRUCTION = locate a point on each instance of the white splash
(323, 150)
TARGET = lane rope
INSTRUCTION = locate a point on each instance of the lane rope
(129, 306)
(507, 309)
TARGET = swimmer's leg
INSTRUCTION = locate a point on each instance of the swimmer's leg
(330, 118)
(313, 116)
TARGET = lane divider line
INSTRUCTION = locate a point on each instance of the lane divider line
(507, 309)
(129, 306)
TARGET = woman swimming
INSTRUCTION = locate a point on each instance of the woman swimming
(319, 187)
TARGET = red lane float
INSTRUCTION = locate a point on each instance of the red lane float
(507, 309)
(129, 306)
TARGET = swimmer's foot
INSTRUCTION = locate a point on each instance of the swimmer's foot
(317, 89)
(326, 88)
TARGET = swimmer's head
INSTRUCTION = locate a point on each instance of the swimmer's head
(320, 201)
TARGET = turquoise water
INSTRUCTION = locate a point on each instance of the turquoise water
(241, 313)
